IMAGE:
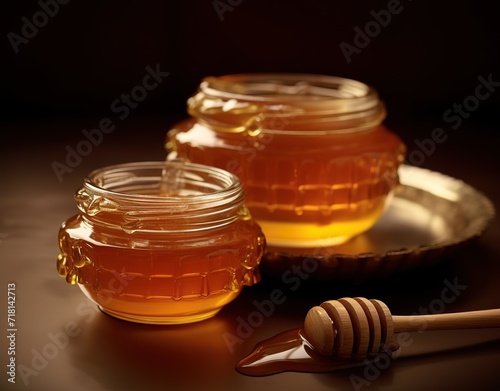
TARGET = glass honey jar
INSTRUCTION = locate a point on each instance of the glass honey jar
(161, 242)
(318, 165)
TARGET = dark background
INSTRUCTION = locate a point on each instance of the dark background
(427, 58)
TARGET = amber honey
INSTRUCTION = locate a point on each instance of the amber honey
(316, 162)
(147, 253)
(290, 351)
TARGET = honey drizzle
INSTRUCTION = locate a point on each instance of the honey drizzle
(170, 182)
(290, 351)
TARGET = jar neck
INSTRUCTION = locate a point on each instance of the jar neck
(286, 103)
(164, 197)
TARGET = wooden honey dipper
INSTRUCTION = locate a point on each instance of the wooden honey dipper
(359, 328)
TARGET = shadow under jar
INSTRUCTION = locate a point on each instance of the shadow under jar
(316, 162)
(163, 243)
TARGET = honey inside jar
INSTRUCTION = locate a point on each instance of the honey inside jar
(165, 248)
(317, 164)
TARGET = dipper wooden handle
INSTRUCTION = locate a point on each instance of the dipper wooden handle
(358, 327)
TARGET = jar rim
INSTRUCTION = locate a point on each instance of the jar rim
(137, 185)
(204, 196)
(113, 179)
(247, 100)
(280, 85)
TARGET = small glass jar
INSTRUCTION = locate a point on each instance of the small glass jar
(317, 164)
(162, 243)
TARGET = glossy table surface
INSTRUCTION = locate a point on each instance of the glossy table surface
(62, 342)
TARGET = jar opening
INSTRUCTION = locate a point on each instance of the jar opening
(161, 195)
(162, 182)
(281, 103)
(284, 87)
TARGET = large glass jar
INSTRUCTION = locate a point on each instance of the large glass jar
(317, 164)
(158, 242)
